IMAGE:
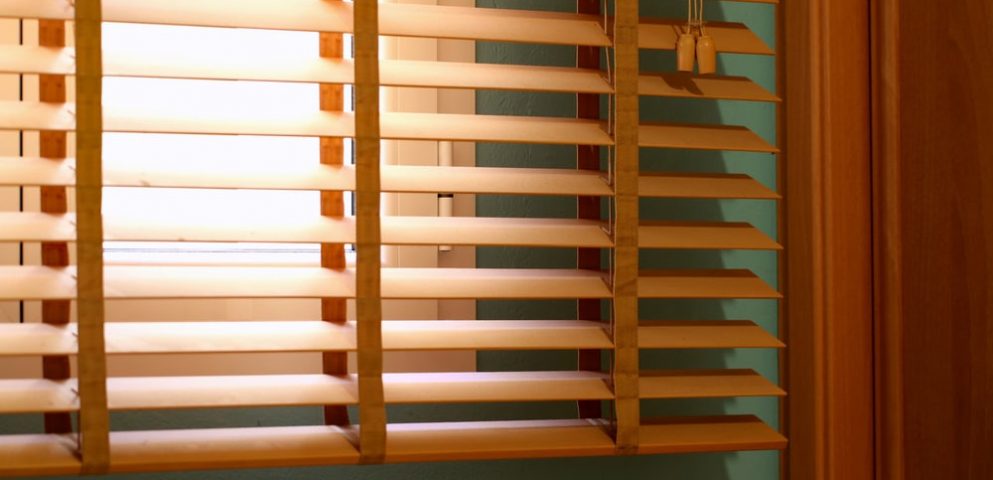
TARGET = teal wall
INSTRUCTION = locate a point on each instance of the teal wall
(761, 119)
(734, 466)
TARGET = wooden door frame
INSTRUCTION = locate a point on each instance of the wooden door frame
(826, 179)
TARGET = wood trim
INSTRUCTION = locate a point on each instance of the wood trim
(369, 308)
(886, 242)
(828, 281)
(933, 112)
(588, 207)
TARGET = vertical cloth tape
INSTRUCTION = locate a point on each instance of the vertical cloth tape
(93, 417)
(369, 310)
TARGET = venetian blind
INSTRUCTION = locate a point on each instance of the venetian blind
(90, 445)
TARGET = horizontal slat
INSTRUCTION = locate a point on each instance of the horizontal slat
(395, 19)
(455, 283)
(398, 126)
(672, 384)
(702, 137)
(143, 282)
(36, 227)
(715, 284)
(328, 445)
(494, 387)
(409, 73)
(38, 395)
(39, 227)
(711, 434)
(662, 34)
(120, 282)
(35, 171)
(261, 66)
(151, 393)
(494, 335)
(314, 336)
(703, 186)
(704, 235)
(697, 334)
(682, 85)
(42, 283)
(524, 181)
(31, 171)
(482, 231)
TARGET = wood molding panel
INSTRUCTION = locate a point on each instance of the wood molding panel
(934, 239)
(827, 210)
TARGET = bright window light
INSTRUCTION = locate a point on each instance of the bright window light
(218, 151)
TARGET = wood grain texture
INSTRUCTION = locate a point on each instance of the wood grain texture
(935, 248)
(828, 280)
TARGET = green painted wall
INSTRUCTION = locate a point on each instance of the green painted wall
(760, 118)
(736, 466)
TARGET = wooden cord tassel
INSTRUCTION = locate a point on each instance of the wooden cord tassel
(706, 50)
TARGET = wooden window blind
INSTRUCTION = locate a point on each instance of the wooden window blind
(88, 445)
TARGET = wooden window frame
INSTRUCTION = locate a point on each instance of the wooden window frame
(827, 225)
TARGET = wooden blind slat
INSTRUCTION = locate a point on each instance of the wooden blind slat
(191, 392)
(399, 126)
(38, 283)
(401, 335)
(704, 284)
(535, 232)
(397, 19)
(199, 65)
(703, 185)
(395, 178)
(296, 446)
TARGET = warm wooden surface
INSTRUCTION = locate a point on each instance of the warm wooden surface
(935, 249)
(412, 73)
(125, 338)
(296, 446)
(397, 19)
(828, 277)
